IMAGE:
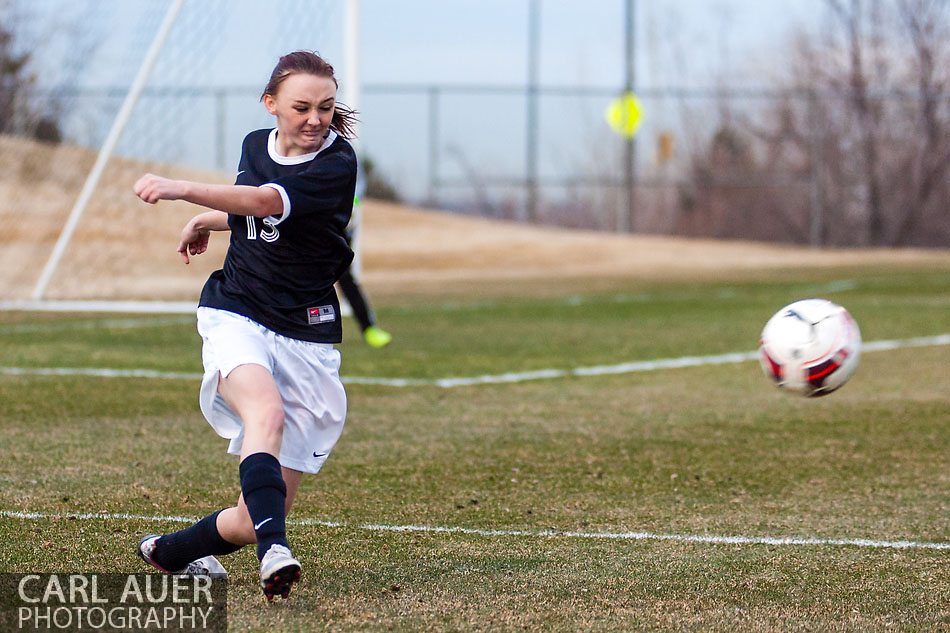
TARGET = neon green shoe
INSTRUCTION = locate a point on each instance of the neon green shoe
(377, 337)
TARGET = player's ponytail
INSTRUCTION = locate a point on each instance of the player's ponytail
(344, 118)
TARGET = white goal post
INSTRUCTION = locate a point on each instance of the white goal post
(106, 151)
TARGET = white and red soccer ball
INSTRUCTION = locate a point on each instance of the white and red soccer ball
(810, 347)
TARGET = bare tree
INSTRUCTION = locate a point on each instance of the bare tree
(14, 76)
(867, 113)
(36, 85)
(926, 23)
(865, 120)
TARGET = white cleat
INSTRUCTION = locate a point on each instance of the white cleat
(279, 571)
(207, 566)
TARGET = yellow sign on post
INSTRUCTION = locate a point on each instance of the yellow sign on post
(625, 114)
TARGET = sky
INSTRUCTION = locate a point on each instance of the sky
(485, 41)
(406, 47)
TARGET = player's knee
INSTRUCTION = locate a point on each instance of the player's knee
(270, 420)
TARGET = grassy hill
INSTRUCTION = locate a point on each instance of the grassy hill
(125, 249)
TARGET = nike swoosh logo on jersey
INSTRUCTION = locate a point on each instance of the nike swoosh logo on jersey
(318, 455)
(258, 526)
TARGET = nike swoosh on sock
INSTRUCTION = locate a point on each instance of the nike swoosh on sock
(258, 526)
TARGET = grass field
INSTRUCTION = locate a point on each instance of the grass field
(584, 503)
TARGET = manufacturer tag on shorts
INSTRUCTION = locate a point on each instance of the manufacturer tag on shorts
(322, 314)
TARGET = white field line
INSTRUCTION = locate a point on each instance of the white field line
(188, 307)
(620, 536)
(514, 377)
(60, 326)
(115, 306)
(143, 307)
(101, 373)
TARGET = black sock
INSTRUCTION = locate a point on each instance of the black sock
(265, 494)
(174, 551)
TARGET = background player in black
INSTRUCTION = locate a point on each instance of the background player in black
(355, 296)
(270, 317)
(362, 312)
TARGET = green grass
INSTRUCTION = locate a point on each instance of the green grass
(705, 450)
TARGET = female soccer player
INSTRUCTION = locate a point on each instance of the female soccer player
(270, 317)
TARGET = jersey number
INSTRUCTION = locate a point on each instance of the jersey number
(269, 234)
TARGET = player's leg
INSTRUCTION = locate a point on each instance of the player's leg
(223, 532)
(235, 525)
(251, 392)
(190, 551)
(356, 299)
(279, 569)
(372, 333)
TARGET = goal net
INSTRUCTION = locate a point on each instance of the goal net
(108, 90)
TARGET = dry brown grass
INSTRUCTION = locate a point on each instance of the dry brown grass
(125, 249)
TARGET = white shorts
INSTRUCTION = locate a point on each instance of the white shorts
(307, 376)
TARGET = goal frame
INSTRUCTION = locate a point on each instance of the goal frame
(39, 301)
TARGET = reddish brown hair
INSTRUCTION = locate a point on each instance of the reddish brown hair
(307, 62)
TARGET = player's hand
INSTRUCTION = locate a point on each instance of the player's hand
(193, 241)
(152, 188)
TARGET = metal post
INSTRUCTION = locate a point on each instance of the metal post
(531, 123)
(816, 227)
(626, 217)
(220, 129)
(433, 144)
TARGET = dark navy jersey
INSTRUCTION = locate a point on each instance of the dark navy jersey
(280, 270)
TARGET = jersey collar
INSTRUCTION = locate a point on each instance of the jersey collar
(295, 160)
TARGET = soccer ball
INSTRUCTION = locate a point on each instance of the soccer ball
(810, 347)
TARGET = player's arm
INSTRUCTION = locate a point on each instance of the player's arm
(260, 202)
(197, 233)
